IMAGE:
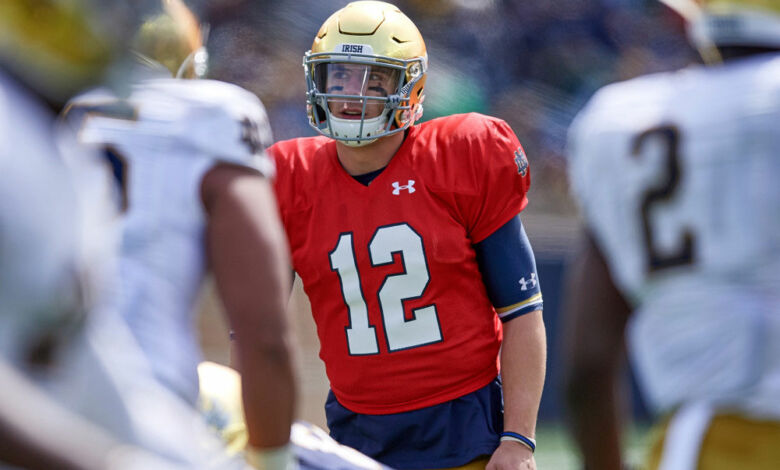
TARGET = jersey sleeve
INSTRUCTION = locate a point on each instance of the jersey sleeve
(291, 195)
(501, 178)
(236, 130)
(206, 118)
(280, 155)
(508, 269)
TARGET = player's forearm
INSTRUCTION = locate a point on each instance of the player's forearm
(591, 399)
(264, 346)
(269, 392)
(523, 362)
(593, 356)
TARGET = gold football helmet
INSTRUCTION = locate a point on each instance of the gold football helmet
(721, 23)
(59, 47)
(365, 73)
(172, 39)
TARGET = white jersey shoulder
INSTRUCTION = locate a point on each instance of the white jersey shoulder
(206, 117)
(677, 178)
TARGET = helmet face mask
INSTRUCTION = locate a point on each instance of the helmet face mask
(365, 74)
(349, 87)
(195, 65)
(172, 39)
(358, 98)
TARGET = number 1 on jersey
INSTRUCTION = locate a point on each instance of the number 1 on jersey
(396, 288)
(361, 336)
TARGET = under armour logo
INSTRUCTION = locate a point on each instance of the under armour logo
(397, 187)
(527, 284)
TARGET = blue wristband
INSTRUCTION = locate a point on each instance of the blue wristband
(513, 436)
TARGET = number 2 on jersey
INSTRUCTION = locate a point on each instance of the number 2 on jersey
(656, 259)
(400, 333)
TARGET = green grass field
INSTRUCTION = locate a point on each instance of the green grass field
(555, 449)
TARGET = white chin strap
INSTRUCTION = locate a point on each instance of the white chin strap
(349, 129)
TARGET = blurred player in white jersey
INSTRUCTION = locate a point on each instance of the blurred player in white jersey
(677, 176)
(63, 365)
(191, 157)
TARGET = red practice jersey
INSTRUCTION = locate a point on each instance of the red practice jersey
(402, 313)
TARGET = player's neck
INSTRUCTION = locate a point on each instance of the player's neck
(371, 157)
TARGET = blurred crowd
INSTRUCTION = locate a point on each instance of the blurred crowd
(533, 64)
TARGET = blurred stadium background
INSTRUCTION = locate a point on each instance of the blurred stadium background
(533, 63)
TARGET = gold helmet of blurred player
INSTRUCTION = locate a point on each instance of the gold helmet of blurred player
(59, 47)
(365, 73)
(715, 24)
(172, 39)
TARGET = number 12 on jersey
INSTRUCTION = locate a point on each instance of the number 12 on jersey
(400, 333)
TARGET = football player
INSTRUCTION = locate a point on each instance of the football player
(61, 403)
(410, 248)
(191, 157)
(677, 176)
